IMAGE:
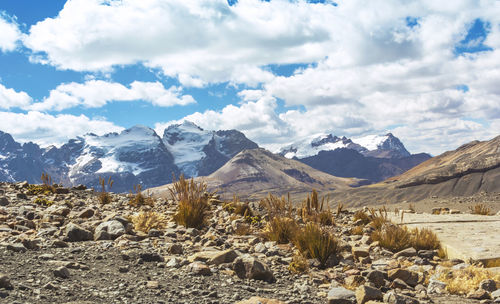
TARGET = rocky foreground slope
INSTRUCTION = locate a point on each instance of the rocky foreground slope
(68, 248)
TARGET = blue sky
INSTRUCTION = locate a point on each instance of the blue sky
(277, 70)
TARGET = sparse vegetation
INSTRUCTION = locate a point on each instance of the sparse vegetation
(463, 281)
(358, 230)
(138, 199)
(378, 218)
(280, 229)
(147, 220)
(314, 242)
(424, 239)
(46, 188)
(43, 202)
(299, 264)
(104, 196)
(277, 206)
(192, 202)
(237, 207)
(340, 208)
(314, 211)
(480, 209)
(393, 237)
(360, 215)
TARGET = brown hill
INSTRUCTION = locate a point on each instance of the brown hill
(470, 169)
(252, 174)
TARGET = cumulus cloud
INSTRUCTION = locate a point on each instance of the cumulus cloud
(46, 129)
(97, 93)
(9, 98)
(9, 33)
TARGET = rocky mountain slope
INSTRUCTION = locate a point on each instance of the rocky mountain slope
(135, 156)
(253, 173)
(470, 169)
(373, 157)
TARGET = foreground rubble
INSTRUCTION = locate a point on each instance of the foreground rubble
(69, 248)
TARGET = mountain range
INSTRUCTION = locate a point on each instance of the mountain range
(140, 156)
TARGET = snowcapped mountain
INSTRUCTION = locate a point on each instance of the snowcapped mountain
(134, 156)
(380, 146)
(201, 152)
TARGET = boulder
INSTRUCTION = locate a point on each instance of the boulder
(109, 230)
(199, 268)
(5, 282)
(488, 285)
(367, 293)
(391, 297)
(75, 233)
(409, 277)
(214, 257)
(4, 201)
(377, 277)
(251, 268)
(408, 252)
(61, 272)
(341, 295)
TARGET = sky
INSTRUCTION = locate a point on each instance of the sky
(279, 70)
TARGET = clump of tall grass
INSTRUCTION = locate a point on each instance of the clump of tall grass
(192, 202)
(317, 243)
(314, 211)
(138, 199)
(104, 196)
(480, 209)
(147, 220)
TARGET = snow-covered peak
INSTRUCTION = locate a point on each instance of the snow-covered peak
(383, 144)
(371, 142)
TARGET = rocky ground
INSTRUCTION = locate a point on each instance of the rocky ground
(69, 248)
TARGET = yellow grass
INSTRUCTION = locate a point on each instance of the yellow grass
(466, 280)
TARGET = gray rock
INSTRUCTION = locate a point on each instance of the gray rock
(4, 201)
(214, 257)
(409, 277)
(377, 277)
(199, 268)
(86, 213)
(408, 252)
(61, 272)
(151, 257)
(16, 247)
(5, 282)
(435, 286)
(367, 293)
(75, 233)
(251, 268)
(109, 230)
(496, 294)
(391, 297)
(260, 248)
(341, 295)
(488, 285)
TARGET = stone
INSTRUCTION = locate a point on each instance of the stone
(377, 277)
(391, 297)
(341, 295)
(86, 213)
(153, 285)
(5, 282)
(199, 268)
(428, 254)
(109, 230)
(61, 272)
(251, 268)
(215, 257)
(4, 201)
(151, 257)
(408, 252)
(260, 300)
(16, 247)
(436, 286)
(409, 277)
(366, 293)
(360, 252)
(75, 233)
(175, 249)
(175, 262)
(354, 281)
(399, 284)
(479, 294)
(260, 248)
(496, 294)
(488, 285)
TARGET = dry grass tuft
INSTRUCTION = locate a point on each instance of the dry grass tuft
(192, 202)
(393, 237)
(299, 264)
(361, 215)
(314, 242)
(378, 218)
(313, 211)
(424, 239)
(277, 206)
(480, 209)
(340, 208)
(138, 199)
(358, 230)
(239, 208)
(280, 229)
(466, 280)
(147, 220)
(104, 197)
(46, 188)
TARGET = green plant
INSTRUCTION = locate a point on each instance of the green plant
(147, 220)
(46, 188)
(104, 197)
(192, 202)
(280, 229)
(138, 199)
(480, 209)
(43, 202)
(314, 242)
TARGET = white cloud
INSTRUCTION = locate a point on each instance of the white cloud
(97, 93)
(9, 33)
(46, 129)
(9, 98)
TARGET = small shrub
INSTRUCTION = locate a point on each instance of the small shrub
(138, 199)
(237, 207)
(147, 220)
(104, 197)
(424, 239)
(393, 237)
(442, 253)
(313, 211)
(277, 207)
(314, 242)
(465, 280)
(299, 264)
(46, 188)
(280, 229)
(243, 229)
(43, 202)
(480, 209)
(378, 218)
(358, 230)
(192, 202)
